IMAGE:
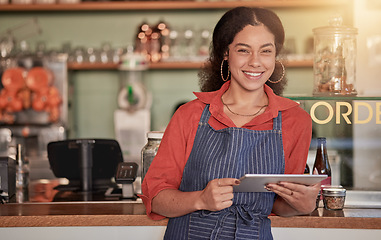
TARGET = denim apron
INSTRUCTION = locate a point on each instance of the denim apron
(230, 153)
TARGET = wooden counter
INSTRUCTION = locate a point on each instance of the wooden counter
(118, 213)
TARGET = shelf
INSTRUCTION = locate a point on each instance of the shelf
(176, 65)
(168, 5)
(166, 65)
(92, 66)
(114, 66)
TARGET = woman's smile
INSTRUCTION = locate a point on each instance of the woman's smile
(253, 74)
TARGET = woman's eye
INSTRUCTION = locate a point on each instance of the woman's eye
(267, 51)
(243, 51)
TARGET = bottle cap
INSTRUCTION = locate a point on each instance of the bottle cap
(155, 135)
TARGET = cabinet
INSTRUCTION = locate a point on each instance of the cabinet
(352, 128)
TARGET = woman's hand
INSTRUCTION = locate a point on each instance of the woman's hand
(218, 194)
(301, 198)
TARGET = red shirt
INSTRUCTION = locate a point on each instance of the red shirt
(165, 172)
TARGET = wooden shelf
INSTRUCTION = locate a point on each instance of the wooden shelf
(114, 66)
(176, 65)
(92, 66)
(299, 63)
(168, 5)
(169, 65)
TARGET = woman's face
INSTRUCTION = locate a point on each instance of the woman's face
(251, 57)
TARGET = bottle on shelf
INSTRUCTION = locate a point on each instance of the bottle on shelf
(22, 176)
(321, 164)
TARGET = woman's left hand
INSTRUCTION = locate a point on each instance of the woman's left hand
(300, 197)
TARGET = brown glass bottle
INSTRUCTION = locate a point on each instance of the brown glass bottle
(321, 161)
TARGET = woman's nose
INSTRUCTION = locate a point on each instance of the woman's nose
(254, 60)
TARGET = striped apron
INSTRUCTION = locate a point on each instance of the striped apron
(230, 153)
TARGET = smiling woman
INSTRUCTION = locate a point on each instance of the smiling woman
(237, 125)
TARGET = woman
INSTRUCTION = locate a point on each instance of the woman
(236, 125)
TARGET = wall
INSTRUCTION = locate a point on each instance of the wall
(94, 93)
(367, 15)
(367, 159)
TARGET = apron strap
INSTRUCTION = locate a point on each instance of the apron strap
(205, 116)
(277, 122)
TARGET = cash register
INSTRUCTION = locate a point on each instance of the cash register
(7, 180)
(94, 168)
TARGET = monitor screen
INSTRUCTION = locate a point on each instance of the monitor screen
(65, 160)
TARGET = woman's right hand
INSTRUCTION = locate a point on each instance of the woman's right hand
(218, 194)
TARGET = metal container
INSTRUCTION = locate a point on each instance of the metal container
(335, 59)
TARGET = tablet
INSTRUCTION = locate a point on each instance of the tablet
(256, 182)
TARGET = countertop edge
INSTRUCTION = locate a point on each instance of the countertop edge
(133, 214)
(143, 220)
(326, 222)
(79, 221)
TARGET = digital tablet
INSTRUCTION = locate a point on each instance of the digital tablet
(256, 182)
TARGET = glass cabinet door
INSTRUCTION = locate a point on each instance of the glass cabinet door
(352, 126)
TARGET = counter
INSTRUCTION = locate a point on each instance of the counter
(127, 220)
(130, 213)
(66, 215)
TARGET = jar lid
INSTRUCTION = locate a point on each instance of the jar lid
(330, 186)
(335, 28)
(155, 135)
(334, 191)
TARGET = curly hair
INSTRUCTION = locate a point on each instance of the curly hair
(230, 24)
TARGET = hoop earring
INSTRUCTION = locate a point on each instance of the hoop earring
(283, 73)
(222, 74)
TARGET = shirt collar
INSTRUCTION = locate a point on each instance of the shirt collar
(276, 104)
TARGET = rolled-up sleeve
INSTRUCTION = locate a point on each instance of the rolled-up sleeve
(165, 171)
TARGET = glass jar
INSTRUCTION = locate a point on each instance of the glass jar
(150, 149)
(335, 59)
(334, 198)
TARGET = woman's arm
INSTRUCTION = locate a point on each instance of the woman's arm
(217, 195)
